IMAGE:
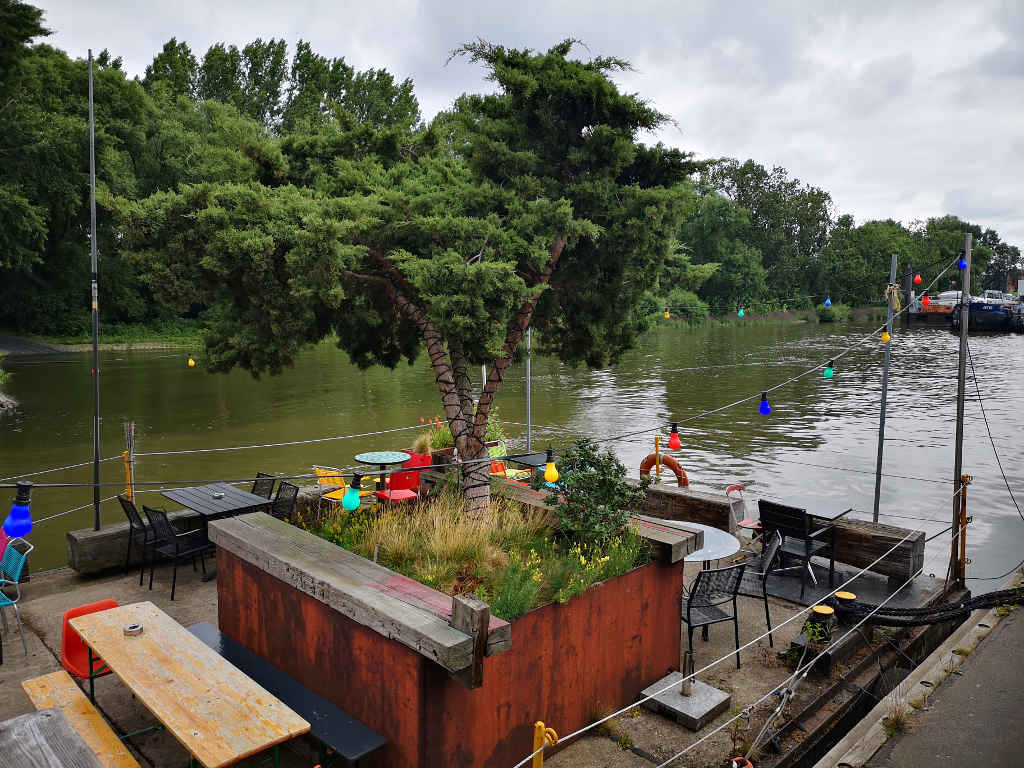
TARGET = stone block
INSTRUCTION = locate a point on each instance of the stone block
(693, 711)
(92, 551)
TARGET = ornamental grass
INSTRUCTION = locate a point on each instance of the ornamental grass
(510, 557)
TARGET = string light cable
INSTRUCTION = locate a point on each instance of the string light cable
(760, 637)
(761, 394)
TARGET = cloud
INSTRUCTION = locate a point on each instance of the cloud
(904, 110)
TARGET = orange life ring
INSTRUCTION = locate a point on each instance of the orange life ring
(668, 462)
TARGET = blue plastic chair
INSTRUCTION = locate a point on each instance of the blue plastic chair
(10, 572)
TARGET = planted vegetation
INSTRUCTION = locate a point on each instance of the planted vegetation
(512, 556)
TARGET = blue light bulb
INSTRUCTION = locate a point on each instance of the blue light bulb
(828, 301)
(19, 522)
(962, 264)
(764, 408)
(740, 313)
(350, 501)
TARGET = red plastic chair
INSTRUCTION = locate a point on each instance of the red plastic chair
(403, 486)
(74, 653)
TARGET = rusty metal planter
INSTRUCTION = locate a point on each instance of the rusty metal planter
(566, 664)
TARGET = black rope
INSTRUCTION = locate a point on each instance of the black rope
(935, 614)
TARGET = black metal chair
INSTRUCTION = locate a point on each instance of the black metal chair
(263, 485)
(284, 502)
(755, 578)
(136, 526)
(798, 540)
(713, 587)
(173, 545)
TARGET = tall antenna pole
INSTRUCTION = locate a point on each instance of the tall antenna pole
(885, 390)
(961, 386)
(95, 313)
(529, 421)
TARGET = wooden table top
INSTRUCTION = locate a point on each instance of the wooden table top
(217, 713)
(200, 499)
(43, 739)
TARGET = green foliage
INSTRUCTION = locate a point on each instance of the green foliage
(817, 633)
(593, 499)
(686, 305)
(5, 378)
(516, 587)
(836, 313)
(589, 564)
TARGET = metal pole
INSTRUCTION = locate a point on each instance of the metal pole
(95, 312)
(907, 283)
(885, 393)
(961, 387)
(529, 422)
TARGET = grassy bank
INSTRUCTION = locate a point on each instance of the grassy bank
(774, 317)
(179, 332)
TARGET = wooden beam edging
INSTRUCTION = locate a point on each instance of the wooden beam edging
(365, 592)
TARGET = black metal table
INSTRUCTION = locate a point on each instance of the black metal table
(529, 460)
(201, 499)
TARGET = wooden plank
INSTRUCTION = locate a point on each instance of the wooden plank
(342, 580)
(471, 615)
(58, 690)
(672, 542)
(217, 713)
(43, 740)
(861, 542)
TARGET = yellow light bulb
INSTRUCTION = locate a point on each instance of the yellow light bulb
(886, 338)
(191, 363)
(666, 314)
(550, 473)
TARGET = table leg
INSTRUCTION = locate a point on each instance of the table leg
(92, 680)
(211, 574)
(380, 478)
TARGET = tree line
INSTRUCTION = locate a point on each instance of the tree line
(746, 235)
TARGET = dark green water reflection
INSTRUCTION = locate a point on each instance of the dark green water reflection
(816, 449)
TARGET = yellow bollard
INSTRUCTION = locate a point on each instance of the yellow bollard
(128, 475)
(542, 737)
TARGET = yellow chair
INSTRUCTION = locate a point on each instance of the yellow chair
(333, 485)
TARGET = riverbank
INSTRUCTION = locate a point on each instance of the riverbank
(752, 317)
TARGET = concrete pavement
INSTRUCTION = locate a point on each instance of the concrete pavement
(974, 717)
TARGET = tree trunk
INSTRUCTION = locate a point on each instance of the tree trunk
(476, 483)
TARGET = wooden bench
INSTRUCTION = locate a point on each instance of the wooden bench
(332, 726)
(58, 691)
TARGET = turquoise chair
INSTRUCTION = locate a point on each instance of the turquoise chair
(10, 572)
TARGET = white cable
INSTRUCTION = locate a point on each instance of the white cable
(56, 469)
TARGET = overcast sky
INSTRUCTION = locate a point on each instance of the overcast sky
(901, 110)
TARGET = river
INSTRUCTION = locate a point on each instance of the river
(816, 449)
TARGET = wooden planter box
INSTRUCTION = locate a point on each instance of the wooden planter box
(564, 664)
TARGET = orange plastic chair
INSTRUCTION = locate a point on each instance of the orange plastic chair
(403, 486)
(74, 653)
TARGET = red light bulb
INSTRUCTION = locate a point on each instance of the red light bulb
(673, 440)
(925, 301)
(917, 279)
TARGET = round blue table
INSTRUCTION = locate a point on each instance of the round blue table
(382, 459)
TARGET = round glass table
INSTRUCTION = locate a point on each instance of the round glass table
(382, 459)
(717, 543)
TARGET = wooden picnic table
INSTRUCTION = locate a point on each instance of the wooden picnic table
(217, 713)
(43, 739)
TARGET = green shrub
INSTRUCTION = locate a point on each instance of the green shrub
(593, 498)
(686, 305)
(441, 435)
(5, 378)
(836, 313)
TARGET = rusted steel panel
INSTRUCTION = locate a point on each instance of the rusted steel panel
(569, 662)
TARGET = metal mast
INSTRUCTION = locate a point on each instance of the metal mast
(95, 312)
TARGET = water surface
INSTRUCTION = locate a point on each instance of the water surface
(817, 449)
